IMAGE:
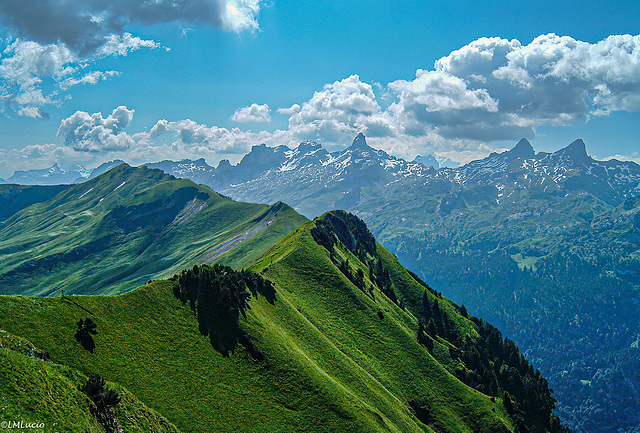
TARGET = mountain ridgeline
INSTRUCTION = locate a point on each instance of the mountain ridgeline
(125, 227)
(325, 331)
(543, 245)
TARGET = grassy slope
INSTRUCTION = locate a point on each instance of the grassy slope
(35, 391)
(107, 235)
(331, 363)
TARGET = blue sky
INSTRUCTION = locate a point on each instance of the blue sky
(210, 78)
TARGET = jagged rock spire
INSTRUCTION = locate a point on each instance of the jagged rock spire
(523, 149)
(360, 142)
(577, 151)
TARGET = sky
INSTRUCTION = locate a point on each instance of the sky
(88, 81)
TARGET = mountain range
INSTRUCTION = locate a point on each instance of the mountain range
(544, 245)
(53, 175)
(323, 330)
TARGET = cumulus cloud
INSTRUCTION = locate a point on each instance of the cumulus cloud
(23, 66)
(290, 111)
(497, 89)
(252, 113)
(28, 67)
(93, 133)
(89, 78)
(121, 45)
(190, 135)
(338, 111)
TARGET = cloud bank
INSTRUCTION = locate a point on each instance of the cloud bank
(82, 25)
(496, 89)
(488, 91)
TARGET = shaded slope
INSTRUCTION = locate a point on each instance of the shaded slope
(127, 226)
(14, 198)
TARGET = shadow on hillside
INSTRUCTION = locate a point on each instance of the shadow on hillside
(86, 328)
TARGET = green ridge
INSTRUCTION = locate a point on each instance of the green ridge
(127, 226)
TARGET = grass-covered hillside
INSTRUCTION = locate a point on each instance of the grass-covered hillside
(48, 396)
(123, 228)
(326, 332)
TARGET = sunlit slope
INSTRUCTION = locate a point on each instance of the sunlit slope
(324, 356)
(127, 226)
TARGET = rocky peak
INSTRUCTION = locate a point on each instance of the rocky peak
(224, 164)
(308, 146)
(523, 149)
(428, 161)
(576, 152)
(360, 143)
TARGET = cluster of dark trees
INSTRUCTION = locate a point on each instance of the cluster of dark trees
(219, 295)
(348, 229)
(494, 366)
(352, 232)
(377, 274)
(104, 400)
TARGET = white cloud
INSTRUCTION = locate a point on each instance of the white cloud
(32, 74)
(496, 89)
(121, 45)
(252, 113)
(23, 66)
(62, 38)
(89, 78)
(338, 112)
(439, 91)
(290, 111)
(93, 133)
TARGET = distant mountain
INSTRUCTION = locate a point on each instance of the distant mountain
(428, 161)
(325, 332)
(309, 178)
(124, 227)
(53, 175)
(448, 163)
(104, 167)
(545, 245)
